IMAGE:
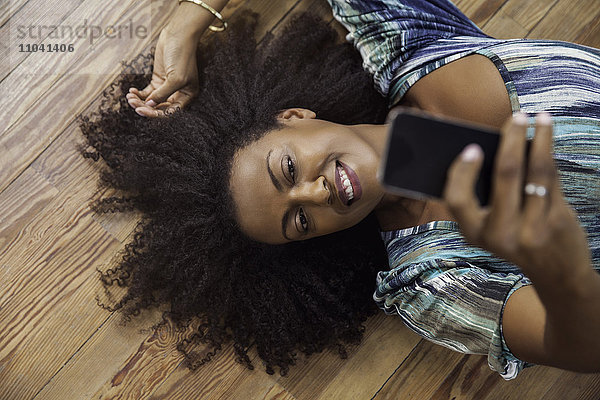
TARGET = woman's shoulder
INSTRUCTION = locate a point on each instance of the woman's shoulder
(470, 88)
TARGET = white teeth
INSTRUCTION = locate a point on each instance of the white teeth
(346, 183)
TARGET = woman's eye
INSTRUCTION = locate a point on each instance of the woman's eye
(291, 169)
(303, 220)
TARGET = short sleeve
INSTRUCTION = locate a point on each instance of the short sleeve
(456, 305)
(387, 32)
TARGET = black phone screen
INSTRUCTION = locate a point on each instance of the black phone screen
(420, 149)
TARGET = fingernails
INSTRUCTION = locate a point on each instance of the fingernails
(520, 118)
(139, 111)
(132, 89)
(544, 118)
(172, 110)
(151, 103)
(471, 153)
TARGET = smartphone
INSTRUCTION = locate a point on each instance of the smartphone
(421, 147)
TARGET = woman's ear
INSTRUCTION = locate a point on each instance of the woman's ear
(296, 113)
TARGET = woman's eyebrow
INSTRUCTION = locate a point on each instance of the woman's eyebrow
(279, 188)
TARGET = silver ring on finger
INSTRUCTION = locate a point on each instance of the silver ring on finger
(535, 190)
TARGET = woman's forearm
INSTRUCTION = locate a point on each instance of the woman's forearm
(195, 19)
(539, 232)
(572, 331)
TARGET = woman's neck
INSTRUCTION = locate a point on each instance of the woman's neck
(396, 212)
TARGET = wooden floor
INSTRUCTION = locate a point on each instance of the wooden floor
(56, 343)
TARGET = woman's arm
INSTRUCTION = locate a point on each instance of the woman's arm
(175, 76)
(532, 336)
(540, 234)
(194, 18)
(388, 32)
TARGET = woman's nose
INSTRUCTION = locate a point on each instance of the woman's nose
(315, 192)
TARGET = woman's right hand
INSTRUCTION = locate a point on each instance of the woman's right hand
(175, 76)
(174, 80)
(534, 227)
(536, 230)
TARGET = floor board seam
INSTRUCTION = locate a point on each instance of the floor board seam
(397, 368)
(72, 355)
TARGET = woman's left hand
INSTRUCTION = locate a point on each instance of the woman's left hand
(532, 226)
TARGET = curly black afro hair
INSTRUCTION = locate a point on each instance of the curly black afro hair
(187, 251)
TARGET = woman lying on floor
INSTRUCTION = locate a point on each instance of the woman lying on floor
(246, 228)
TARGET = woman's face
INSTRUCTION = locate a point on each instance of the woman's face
(311, 178)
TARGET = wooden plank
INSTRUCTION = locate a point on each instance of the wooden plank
(364, 371)
(435, 372)
(24, 141)
(559, 24)
(46, 273)
(427, 363)
(479, 11)
(270, 13)
(506, 19)
(318, 7)
(221, 378)
(256, 384)
(29, 14)
(33, 73)
(322, 375)
(127, 368)
(453, 375)
(590, 34)
(503, 26)
(526, 13)
(43, 323)
(546, 383)
(516, 18)
(19, 203)
(63, 166)
(278, 393)
(573, 385)
(8, 8)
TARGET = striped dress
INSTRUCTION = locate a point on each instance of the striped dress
(443, 288)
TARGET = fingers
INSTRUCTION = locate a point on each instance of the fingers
(459, 192)
(507, 184)
(149, 112)
(174, 104)
(179, 100)
(486, 225)
(541, 172)
(142, 94)
(392, 114)
(169, 87)
(133, 100)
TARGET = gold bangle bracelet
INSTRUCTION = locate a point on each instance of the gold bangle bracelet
(213, 12)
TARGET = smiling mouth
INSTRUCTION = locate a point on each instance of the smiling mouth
(347, 184)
